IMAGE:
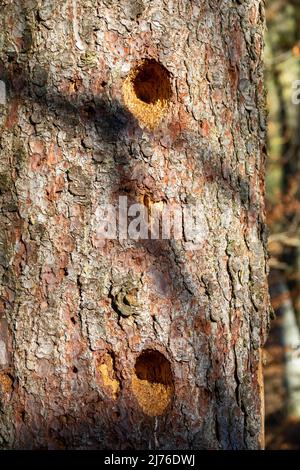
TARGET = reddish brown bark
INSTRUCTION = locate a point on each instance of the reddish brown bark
(69, 143)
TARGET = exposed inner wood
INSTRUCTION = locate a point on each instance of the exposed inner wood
(147, 92)
(152, 382)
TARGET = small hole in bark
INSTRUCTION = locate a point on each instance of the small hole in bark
(6, 382)
(103, 84)
(73, 320)
(75, 370)
(147, 92)
(89, 112)
(152, 382)
(106, 367)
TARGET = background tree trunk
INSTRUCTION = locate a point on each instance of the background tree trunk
(93, 330)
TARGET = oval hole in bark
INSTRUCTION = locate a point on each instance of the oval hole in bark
(106, 367)
(147, 92)
(152, 382)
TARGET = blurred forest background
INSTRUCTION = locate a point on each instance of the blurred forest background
(282, 352)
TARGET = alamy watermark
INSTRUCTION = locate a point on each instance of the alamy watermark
(2, 93)
(296, 92)
(159, 221)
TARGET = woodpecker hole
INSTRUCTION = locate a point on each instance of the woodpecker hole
(108, 376)
(147, 92)
(152, 382)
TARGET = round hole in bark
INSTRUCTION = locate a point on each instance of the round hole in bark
(152, 382)
(147, 91)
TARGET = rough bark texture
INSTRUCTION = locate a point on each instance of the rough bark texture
(68, 144)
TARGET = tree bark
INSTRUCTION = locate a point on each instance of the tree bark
(132, 343)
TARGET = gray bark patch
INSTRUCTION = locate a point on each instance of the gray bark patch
(2, 93)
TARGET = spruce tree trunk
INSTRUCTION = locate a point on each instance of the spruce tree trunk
(127, 343)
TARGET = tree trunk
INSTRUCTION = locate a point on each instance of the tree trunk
(132, 343)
